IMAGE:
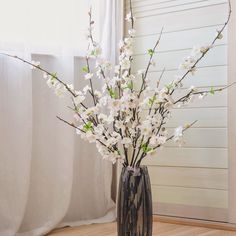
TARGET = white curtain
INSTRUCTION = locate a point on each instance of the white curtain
(48, 177)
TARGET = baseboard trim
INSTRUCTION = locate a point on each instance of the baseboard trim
(194, 222)
(191, 212)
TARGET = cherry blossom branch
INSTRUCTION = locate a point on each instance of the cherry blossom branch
(204, 53)
(152, 52)
(191, 92)
(43, 70)
(168, 139)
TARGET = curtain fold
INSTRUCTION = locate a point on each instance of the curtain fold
(49, 177)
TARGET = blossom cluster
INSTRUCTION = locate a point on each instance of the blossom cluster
(128, 118)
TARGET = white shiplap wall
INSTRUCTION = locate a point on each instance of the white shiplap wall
(191, 181)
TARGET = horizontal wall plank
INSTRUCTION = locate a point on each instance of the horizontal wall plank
(185, 6)
(213, 117)
(172, 60)
(190, 196)
(189, 157)
(217, 100)
(179, 40)
(207, 117)
(213, 15)
(189, 177)
(206, 76)
(159, 3)
(154, 4)
(194, 212)
(203, 137)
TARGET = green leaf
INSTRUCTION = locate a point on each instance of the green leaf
(54, 75)
(145, 148)
(152, 100)
(88, 126)
(150, 52)
(85, 69)
(169, 86)
(212, 91)
(112, 93)
(93, 53)
(129, 86)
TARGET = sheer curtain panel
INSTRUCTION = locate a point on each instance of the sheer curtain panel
(48, 177)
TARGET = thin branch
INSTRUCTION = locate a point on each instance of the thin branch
(70, 124)
(144, 76)
(42, 69)
(172, 136)
(202, 92)
(209, 48)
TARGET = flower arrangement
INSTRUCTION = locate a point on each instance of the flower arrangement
(127, 120)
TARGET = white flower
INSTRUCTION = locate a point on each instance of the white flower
(178, 135)
(219, 35)
(192, 88)
(146, 128)
(35, 64)
(128, 41)
(202, 95)
(88, 76)
(126, 142)
(79, 99)
(70, 86)
(125, 63)
(129, 17)
(153, 141)
(98, 94)
(132, 32)
(200, 50)
(121, 44)
(90, 137)
(187, 63)
(152, 62)
(92, 111)
(161, 139)
(45, 75)
(117, 69)
(60, 90)
(102, 117)
(119, 125)
(86, 89)
(52, 82)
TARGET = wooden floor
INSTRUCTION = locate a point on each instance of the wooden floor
(160, 229)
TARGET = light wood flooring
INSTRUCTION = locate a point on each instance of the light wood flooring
(159, 229)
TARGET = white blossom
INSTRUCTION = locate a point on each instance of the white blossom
(152, 62)
(88, 76)
(129, 17)
(126, 141)
(219, 35)
(35, 64)
(125, 63)
(60, 90)
(178, 135)
(132, 32)
(79, 99)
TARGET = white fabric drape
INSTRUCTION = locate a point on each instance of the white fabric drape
(48, 176)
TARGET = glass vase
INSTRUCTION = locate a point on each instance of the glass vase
(134, 206)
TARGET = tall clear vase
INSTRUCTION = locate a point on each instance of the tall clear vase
(134, 208)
